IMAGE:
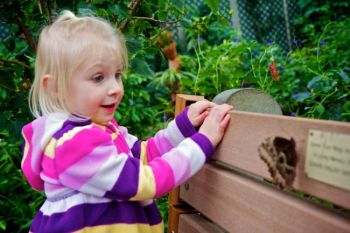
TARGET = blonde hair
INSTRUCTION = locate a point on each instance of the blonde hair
(62, 48)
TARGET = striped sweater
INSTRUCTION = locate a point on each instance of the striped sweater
(102, 179)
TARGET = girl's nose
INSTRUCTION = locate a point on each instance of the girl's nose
(116, 86)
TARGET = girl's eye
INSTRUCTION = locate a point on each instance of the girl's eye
(118, 76)
(97, 78)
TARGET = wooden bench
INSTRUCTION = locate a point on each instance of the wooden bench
(235, 192)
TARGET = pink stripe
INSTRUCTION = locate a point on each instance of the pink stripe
(181, 164)
(83, 170)
(32, 176)
(162, 143)
(33, 179)
(164, 176)
(151, 150)
(39, 126)
(79, 146)
(49, 169)
(121, 144)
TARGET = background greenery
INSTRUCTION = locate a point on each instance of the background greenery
(313, 78)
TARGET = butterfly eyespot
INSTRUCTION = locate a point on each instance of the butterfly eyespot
(280, 157)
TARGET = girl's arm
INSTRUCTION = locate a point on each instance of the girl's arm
(88, 161)
(177, 130)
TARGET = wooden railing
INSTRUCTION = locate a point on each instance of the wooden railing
(235, 192)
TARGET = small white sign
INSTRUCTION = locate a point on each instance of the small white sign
(328, 158)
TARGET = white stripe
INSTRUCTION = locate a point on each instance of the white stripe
(173, 133)
(106, 177)
(63, 205)
(53, 123)
(130, 139)
(194, 154)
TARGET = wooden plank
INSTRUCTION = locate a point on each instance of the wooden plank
(241, 204)
(175, 205)
(174, 213)
(195, 223)
(181, 102)
(246, 131)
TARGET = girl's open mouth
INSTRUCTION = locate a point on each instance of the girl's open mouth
(108, 106)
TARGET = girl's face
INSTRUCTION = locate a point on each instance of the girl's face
(96, 89)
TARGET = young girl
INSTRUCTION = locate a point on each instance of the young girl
(96, 176)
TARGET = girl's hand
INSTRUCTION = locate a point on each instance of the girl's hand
(198, 111)
(216, 122)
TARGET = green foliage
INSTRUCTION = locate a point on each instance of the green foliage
(18, 202)
(322, 88)
(314, 80)
(163, 38)
(315, 14)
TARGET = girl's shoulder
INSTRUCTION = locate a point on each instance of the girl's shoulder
(87, 128)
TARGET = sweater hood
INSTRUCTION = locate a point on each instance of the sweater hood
(36, 136)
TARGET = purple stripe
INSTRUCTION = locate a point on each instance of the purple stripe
(128, 181)
(136, 149)
(152, 214)
(185, 124)
(89, 215)
(69, 125)
(204, 144)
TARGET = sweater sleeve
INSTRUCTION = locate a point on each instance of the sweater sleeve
(87, 160)
(177, 130)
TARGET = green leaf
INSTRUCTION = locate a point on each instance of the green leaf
(346, 106)
(86, 10)
(139, 65)
(2, 225)
(320, 108)
(344, 76)
(120, 10)
(213, 4)
(313, 82)
(3, 94)
(98, 1)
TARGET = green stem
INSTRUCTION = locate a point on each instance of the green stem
(323, 100)
(318, 45)
(200, 50)
(314, 72)
(263, 83)
(216, 68)
(251, 61)
(198, 71)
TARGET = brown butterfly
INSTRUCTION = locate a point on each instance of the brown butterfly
(280, 157)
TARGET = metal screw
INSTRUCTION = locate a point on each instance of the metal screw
(187, 186)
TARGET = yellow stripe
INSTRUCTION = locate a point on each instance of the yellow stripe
(143, 156)
(50, 148)
(127, 228)
(114, 136)
(100, 126)
(25, 150)
(147, 185)
(70, 134)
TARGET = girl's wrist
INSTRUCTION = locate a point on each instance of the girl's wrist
(184, 124)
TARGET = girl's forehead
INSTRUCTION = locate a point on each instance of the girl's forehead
(101, 57)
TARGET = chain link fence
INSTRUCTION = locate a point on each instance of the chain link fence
(266, 21)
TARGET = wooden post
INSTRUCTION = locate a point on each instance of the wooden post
(175, 206)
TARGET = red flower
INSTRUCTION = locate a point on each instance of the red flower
(273, 71)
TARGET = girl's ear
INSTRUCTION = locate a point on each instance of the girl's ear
(49, 84)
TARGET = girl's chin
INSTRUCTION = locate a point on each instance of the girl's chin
(102, 120)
